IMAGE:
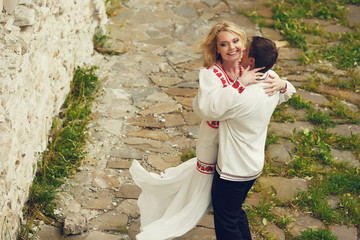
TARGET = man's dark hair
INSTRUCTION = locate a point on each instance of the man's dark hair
(264, 52)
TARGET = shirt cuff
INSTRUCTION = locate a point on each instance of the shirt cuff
(237, 85)
(284, 90)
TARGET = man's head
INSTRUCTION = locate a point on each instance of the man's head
(261, 52)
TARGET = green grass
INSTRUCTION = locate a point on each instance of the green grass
(298, 103)
(340, 142)
(112, 5)
(271, 138)
(352, 82)
(101, 42)
(280, 114)
(288, 15)
(346, 54)
(188, 154)
(321, 234)
(313, 159)
(319, 118)
(69, 131)
(357, 2)
(342, 181)
(341, 111)
(314, 147)
(64, 152)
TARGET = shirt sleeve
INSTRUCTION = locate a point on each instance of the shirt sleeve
(285, 96)
(215, 98)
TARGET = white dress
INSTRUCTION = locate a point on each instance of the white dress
(173, 203)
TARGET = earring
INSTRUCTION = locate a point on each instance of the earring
(218, 55)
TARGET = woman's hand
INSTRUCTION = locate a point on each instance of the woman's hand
(275, 84)
(249, 77)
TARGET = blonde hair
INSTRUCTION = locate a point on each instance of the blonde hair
(209, 44)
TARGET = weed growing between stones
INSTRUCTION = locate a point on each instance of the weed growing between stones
(188, 154)
(319, 118)
(262, 216)
(122, 229)
(280, 115)
(271, 138)
(112, 5)
(291, 21)
(289, 14)
(311, 155)
(64, 151)
(298, 103)
(101, 42)
(341, 111)
(351, 143)
(346, 54)
(328, 178)
(104, 44)
(315, 116)
(343, 184)
(320, 234)
(352, 83)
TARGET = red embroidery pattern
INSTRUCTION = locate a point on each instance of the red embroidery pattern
(236, 84)
(206, 168)
(240, 69)
(225, 80)
(213, 124)
(221, 76)
(229, 176)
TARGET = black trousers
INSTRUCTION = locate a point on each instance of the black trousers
(231, 222)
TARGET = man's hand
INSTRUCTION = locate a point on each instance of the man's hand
(249, 77)
(275, 84)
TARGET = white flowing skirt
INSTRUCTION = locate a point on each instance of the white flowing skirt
(172, 203)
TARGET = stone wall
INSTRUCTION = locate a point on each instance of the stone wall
(41, 42)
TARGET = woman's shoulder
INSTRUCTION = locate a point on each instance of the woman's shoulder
(214, 68)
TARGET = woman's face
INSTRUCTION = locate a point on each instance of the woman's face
(246, 60)
(229, 46)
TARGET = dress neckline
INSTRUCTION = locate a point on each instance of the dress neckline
(231, 80)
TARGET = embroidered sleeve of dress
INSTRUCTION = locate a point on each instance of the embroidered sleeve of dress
(215, 97)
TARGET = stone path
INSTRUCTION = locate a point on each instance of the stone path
(144, 112)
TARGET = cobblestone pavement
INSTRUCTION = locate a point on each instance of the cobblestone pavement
(144, 112)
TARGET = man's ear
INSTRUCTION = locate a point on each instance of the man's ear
(252, 62)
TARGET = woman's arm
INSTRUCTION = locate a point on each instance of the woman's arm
(216, 96)
(249, 77)
(277, 84)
